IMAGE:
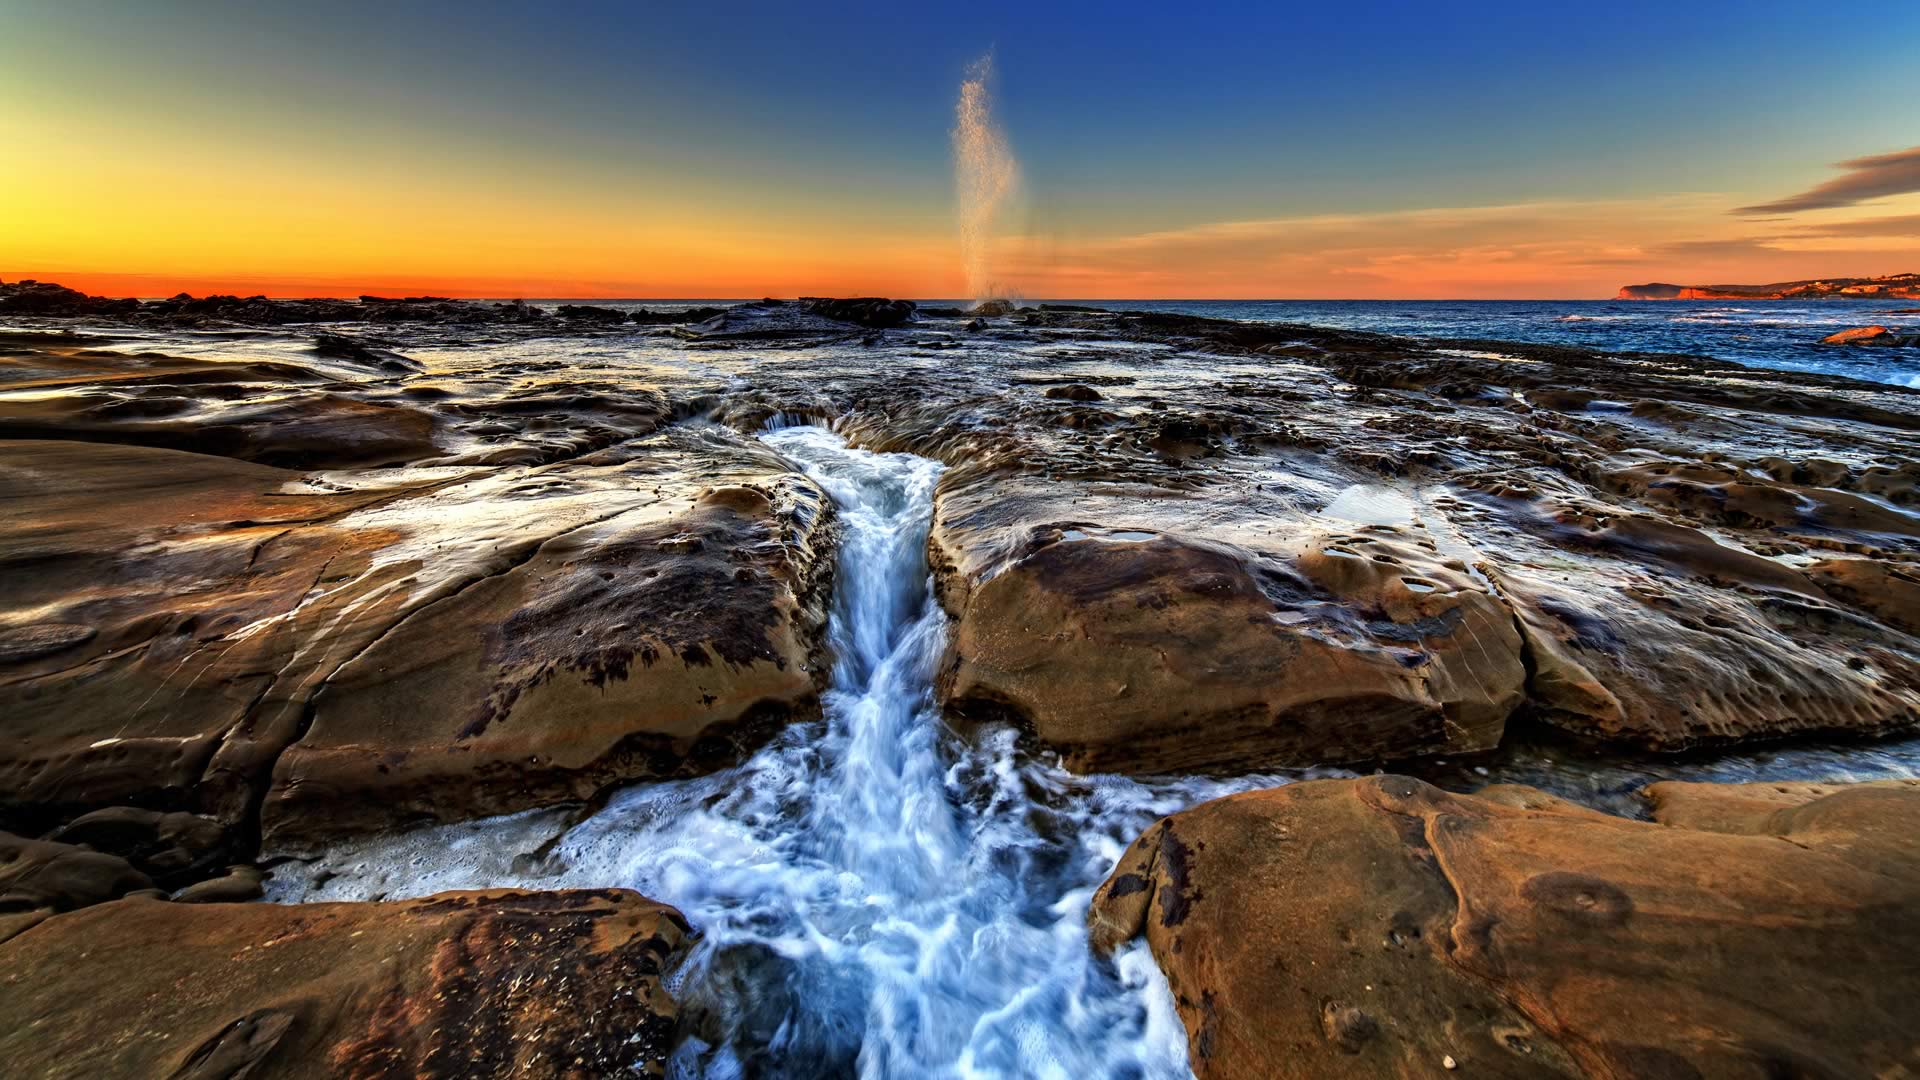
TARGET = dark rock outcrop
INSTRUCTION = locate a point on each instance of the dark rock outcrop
(869, 311)
(591, 313)
(31, 297)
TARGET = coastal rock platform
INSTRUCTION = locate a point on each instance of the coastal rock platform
(277, 576)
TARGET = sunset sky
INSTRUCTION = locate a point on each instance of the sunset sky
(719, 150)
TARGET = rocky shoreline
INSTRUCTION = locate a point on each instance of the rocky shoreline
(283, 572)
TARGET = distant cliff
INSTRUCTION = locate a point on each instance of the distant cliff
(1891, 287)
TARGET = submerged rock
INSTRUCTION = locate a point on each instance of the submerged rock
(1381, 927)
(464, 984)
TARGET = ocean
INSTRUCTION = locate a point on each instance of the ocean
(1780, 334)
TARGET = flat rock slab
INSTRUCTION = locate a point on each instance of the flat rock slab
(441, 643)
(1382, 927)
(471, 984)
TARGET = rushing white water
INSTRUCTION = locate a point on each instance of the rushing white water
(985, 179)
(876, 895)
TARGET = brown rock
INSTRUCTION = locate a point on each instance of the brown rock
(1889, 591)
(660, 642)
(1174, 653)
(1655, 634)
(477, 984)
(186, 568)
(1379, 927)
(40, 877)
(239, 883)
(1868, 335)
(172, 848)
(259, 411)
(439, 650)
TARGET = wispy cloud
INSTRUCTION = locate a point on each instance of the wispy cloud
(1866, 178)
(1536, 248)
(1901, 225)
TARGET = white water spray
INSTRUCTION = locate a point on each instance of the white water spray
(985, 179)
(875, 895)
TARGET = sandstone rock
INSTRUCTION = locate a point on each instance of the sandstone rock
(445, 650)
(658, 318)
(1870, 335)
(1161, 652)
(1888, 590)
(1764, 809)
(262, 411)
(173, 848)
(659, 642)
(310, 431)
(188, 569)
(767, 320)
(478, 984)
(343, 347)
(1654, 634)
(1377, 927)
(239, 883)
(39, 878)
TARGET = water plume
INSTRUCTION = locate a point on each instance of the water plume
(985, 179)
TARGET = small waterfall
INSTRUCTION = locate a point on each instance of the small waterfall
(985, 179)
(876, 895)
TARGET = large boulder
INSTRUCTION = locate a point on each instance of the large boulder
(1381, 927)
(477, 984)
(1143, 651)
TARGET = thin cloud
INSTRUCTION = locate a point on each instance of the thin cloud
(1866, 178)
(1730, 248)
(1903, 225)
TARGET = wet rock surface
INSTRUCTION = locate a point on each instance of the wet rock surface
(1381, 927)
(278, 573)
(474, 984)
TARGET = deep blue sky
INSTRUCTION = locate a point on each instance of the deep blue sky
(1127, 118)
